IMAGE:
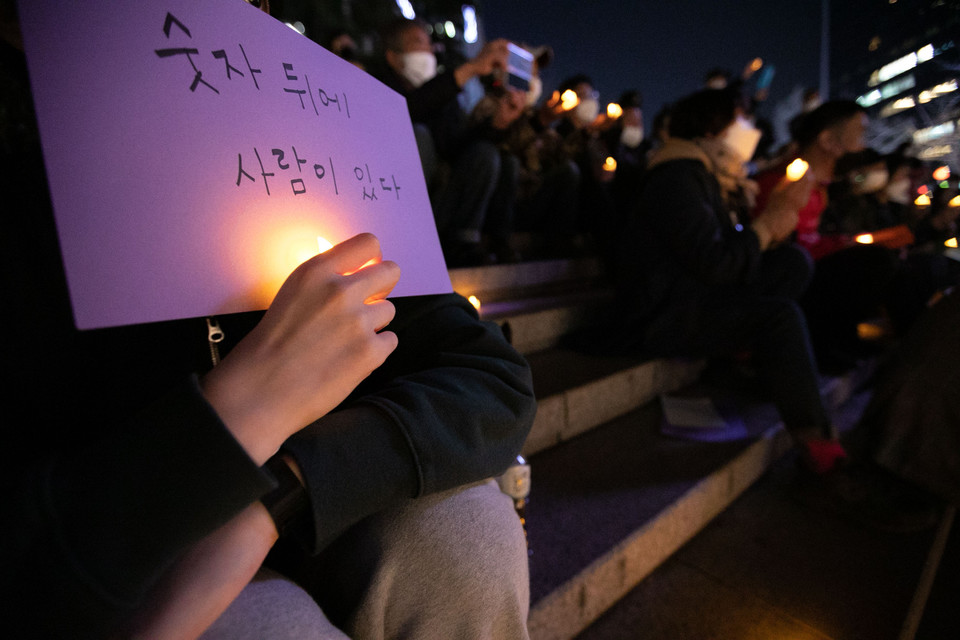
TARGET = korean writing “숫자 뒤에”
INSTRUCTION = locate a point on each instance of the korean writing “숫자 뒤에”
(297, 85)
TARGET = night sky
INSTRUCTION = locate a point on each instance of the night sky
(664, 49)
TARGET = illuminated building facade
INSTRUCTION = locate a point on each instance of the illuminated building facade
(900, 59)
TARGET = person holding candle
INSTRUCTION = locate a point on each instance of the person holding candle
(850, 280)
(144, 486)
(694, 281)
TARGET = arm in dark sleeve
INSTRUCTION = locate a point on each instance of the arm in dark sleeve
(97, 527)
(452, 405)
(427, 101)
(681, 202)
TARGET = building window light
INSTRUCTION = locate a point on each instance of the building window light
(870, 99)
(929, 134)
(902, 65)
(470, 30)
(406, 9)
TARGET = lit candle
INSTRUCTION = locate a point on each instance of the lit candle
(614, 110)
(569, 99)
(475, 301)
(923, 200)
(796, 169)
(864, 238)
(756, 64)
(952, 243)
(941, 173)
(954, 201)
(610, 164)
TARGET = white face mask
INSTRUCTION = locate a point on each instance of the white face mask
(631, 136)
(587, 111)
(535, 91)
(418, 67)
(742, 138)
(870, 182)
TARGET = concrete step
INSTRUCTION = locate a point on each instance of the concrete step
(608, 507)
(577, 392)
(526, 279)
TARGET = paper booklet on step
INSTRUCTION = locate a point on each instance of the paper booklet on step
(197, 152)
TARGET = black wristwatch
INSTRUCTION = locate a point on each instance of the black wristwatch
(288, 501)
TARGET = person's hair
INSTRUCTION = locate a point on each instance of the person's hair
(630, 99)
(826, 116)
(392, 33)
(718, 72)
(573, 81)
(857, 160)
(704, 113)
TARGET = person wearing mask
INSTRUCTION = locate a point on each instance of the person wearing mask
(850, 280)
(695, 282)
(409, 67)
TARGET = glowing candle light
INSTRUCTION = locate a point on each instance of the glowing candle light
(941, 173)
(756, 64)
(475, 301)
(923, 200)
(614, 110)
(952, 243)
(569, 99)
(796, 169)
(954, 201)
(610, 164)
(864, 238)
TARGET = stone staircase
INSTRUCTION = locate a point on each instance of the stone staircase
(612, 498)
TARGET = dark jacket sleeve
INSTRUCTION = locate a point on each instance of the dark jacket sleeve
(453, 404)
(682, 205)
(97, 526)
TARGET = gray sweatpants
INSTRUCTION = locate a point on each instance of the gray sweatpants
(452, 565)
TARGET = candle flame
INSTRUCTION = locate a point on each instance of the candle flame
(952, 243)
(864, 238)
(954, 201)
(923, 200)
(569, 99)
(610, 164)
(614, 110)
(475, 301)
(796, 169)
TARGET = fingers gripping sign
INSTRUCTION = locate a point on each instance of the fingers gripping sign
(322, 335)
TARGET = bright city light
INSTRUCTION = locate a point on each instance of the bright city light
(470, 30)
(406, 9)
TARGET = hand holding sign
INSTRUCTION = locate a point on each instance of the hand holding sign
(318, 340)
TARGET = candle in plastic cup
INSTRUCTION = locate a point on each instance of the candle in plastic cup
(614, 110)
(796, 169)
